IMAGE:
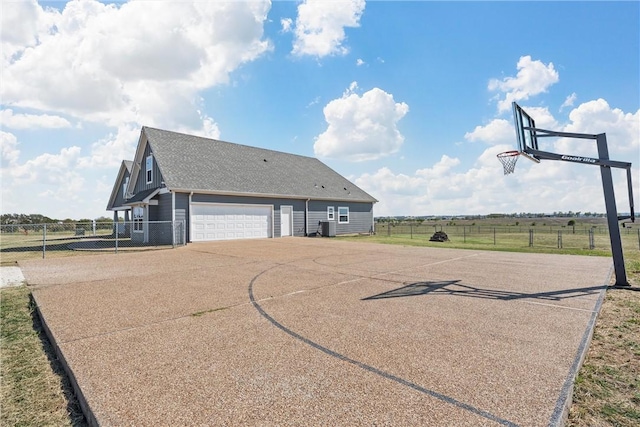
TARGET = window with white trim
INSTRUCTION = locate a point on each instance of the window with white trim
(331, 213)
(138, 217)
(149, 164)
(343, 215)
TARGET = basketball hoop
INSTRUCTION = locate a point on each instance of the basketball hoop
(508, 160)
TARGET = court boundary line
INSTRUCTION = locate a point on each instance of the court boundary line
(369, 368)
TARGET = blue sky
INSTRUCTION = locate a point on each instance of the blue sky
(410, 100)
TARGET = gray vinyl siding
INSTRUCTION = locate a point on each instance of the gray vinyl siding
(360, 216)
(298, 208)
(164, 207)
(182, 216)
(141, 182)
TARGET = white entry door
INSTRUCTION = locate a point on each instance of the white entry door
(286, 221)
(211, 221)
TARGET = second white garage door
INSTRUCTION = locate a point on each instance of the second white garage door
(227, 222)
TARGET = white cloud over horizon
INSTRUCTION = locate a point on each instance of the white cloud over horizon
(442, 189)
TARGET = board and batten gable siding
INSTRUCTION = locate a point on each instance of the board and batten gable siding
(141, 182)
(360, 216)
(298, 208)
(119, 199)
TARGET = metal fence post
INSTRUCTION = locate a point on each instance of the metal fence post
(531, 237)
(411, 230)
(44, 240)
(173, 234)
(117, 227)
(464, 234)
(494, 236)
(559, 239)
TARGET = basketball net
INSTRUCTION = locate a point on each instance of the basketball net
(508, 160)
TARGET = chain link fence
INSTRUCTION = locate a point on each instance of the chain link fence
(558, 237)
(21, 241)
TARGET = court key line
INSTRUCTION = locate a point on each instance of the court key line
(370, 368)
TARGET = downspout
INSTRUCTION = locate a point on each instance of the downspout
(306, 217)
(173, 219)
(190, 194)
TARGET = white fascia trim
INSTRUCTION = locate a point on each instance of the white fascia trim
(137, 161)
(270, 196)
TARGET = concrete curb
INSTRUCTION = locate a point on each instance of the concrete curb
(84, 405)
(563, 405)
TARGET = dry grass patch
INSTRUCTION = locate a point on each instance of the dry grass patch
(35, 390)
(607, 389)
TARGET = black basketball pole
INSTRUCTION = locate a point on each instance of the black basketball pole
(612, 213)
(527, 135)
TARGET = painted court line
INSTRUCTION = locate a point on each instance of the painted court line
(369, 368)
(559, 306)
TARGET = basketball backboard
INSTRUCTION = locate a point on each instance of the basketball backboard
(525, 133)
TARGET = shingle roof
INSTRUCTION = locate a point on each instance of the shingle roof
(140, 196)
(194, 163)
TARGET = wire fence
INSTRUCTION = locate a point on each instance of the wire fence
(20, 241)
(558, 237)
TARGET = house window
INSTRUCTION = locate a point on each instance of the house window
(138, 217)
(124, 188)
(149, 169)
(343, 215)
(331, 214)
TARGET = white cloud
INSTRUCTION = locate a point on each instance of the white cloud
(595, 117)
(320, 26)
(569, 101)
(359, 62)
(498, 131)
(47, 168)
(8, 149)
(30, 121)
(533, 78)
(361, 127)
(286, 24)
(111, 63)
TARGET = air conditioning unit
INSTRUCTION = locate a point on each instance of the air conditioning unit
(328, 229)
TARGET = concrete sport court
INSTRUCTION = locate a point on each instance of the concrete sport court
(302, 331)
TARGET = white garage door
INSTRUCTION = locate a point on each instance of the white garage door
(226, 222)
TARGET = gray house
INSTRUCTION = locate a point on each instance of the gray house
(222, 191)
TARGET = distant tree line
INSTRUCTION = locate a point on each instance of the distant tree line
(8, 219)
(558, 214)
